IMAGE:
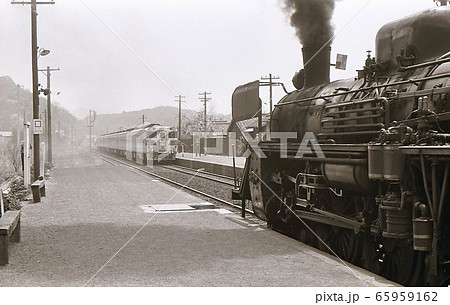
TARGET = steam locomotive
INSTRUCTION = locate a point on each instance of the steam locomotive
(370, 182)
(143, 144)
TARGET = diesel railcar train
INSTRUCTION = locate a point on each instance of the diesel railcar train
(142, 144)
(364, 170)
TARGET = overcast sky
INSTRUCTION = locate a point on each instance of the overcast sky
(119, 56)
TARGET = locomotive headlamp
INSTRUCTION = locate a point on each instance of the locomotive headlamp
(441, 2)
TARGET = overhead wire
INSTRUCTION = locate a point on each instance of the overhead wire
(134, 53)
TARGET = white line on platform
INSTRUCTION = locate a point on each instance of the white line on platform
(151, 210)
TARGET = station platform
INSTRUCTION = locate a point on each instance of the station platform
(106, 225)
(222, 165)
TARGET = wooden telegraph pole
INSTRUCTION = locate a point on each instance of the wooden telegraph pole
(203, 97)
(49, 113)
(179, 100)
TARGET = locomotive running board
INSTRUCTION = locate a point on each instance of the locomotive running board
(334, 153)
(328, 218)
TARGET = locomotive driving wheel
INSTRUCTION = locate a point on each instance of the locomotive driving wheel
(343, 242)
(346, 245)
(401, 263)
(278, 207)
(395, 259)
(372, 254)
(271, 210)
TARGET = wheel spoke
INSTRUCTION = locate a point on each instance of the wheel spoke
(346, 245)
(371, 255)
(403, 265)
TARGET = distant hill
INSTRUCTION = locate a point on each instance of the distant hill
(16, 102)
(117, 121)
(164, 115)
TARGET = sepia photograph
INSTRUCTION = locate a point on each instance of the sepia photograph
(300, 146)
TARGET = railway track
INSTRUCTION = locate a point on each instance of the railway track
(191, 173)
(205, 175)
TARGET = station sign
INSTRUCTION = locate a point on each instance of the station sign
(38, 127)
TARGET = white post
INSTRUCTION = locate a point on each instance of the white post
(2, 207)
(43, 158)
(18, 156)
(150, 153)
(26, 155)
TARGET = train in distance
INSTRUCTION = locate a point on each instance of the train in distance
(144, 144)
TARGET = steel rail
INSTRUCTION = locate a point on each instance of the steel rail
(209, 173)
(203, 175)
(173, 182)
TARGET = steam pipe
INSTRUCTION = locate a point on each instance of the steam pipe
(427, 191)
(415, 93)
(443, 193)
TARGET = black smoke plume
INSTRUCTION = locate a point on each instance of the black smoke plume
(311, 20)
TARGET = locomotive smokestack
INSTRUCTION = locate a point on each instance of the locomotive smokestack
(316, 61)
(312, 22)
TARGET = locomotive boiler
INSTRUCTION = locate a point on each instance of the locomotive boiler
(360, 167)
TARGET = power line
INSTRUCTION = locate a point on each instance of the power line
(129, 49)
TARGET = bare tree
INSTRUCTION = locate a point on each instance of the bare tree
(13, 155)
(196, 124)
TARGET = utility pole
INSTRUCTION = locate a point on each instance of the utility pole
(45, 118)
(90, 131)
(18, 136)
(271, 83)
(18, 100)
(204, 99)
(49, 113)
(34, 69)
(92, 117)
(143, 119)
(180, 97)
(18, 118)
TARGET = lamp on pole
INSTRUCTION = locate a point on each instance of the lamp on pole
(43, 52)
